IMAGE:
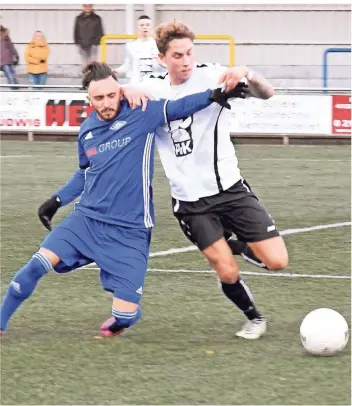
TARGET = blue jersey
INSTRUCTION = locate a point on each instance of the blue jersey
(116, 160)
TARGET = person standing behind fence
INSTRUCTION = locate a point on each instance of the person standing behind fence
(36, 56)
(88, 31)
(8, 56)
(141, 55)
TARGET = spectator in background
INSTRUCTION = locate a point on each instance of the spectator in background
(8, 56)
(36, 56)
(87, 34)
(141, 55)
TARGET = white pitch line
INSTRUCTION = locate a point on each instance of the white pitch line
(290, 231)
(37, 156)
(16, 156)
(248, 273)
(295, 160)
(275, 274)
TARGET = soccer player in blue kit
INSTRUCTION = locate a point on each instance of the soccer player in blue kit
(111, 224)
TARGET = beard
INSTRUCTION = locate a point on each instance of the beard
(107, 114)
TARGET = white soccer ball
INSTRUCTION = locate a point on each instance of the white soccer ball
(324, 332)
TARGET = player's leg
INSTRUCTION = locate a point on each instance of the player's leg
(123, 262)
(259, 241)
(242, 249)
(60, 250)
(124, 315)
(206, 231)
(272, 252)
(24, 283)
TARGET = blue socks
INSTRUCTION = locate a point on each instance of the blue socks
(22, 286)
(127, 319)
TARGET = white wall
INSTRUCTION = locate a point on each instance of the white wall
(285, 42)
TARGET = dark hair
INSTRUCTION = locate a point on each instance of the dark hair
(167, 32)
(96, 71)
(143, 17)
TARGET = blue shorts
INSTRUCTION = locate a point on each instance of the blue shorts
(121, 253)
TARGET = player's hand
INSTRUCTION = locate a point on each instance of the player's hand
(47, 210)
(136, 97)
(241, 91)
(231, 77)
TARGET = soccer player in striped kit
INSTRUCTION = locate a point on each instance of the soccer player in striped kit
(210, 198)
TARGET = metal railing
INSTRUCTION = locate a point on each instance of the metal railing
(79, 89)
(325, 63)
(229, 38)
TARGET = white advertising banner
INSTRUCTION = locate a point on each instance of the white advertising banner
(283, 114)
(57, 112)
(64, 112)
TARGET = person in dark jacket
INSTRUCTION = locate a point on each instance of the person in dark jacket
(87, 34)
(8, 55)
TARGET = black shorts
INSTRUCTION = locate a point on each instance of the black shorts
(235, 210)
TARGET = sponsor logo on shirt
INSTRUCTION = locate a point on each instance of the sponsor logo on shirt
(108, 146)
(182, 137)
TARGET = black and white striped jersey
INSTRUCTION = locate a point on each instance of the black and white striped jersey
(196, 152)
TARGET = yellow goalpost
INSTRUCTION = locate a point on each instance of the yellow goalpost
(229, 38)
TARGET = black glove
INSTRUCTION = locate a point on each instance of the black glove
(47, 210)
(220, 97)
(16, 59)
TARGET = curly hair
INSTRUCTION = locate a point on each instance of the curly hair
(167, 32)
(96, 71)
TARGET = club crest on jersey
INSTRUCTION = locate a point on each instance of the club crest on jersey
(117, 125)
(182, 136)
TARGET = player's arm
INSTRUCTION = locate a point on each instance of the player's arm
(136, 96)
(163, 111)
(68, 193)
(127, 64)
(258, 85)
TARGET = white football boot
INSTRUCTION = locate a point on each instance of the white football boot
(253, 329)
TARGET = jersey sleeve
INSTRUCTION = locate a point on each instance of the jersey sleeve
(163, 111)
(153, 86)
(212, 73)
(75, 185)
(83, 160)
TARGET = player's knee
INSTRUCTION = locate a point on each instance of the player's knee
(40, 265)
(28, 276)
(127, 319)
(227, 269)
(277, 262)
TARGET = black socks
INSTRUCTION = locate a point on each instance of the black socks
(241, 296)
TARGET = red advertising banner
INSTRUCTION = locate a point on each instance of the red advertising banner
(341, 114)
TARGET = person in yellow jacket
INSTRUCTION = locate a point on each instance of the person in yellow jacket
(36, 56)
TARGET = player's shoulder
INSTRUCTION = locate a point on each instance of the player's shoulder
(86, 125)
(156, 84)
(208, 68)
(157, 77)
(204, 65)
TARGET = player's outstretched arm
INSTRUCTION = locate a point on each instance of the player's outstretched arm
(258, 85)
(164, 111)
(67, 194)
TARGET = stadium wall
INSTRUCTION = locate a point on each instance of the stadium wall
(285, 42)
